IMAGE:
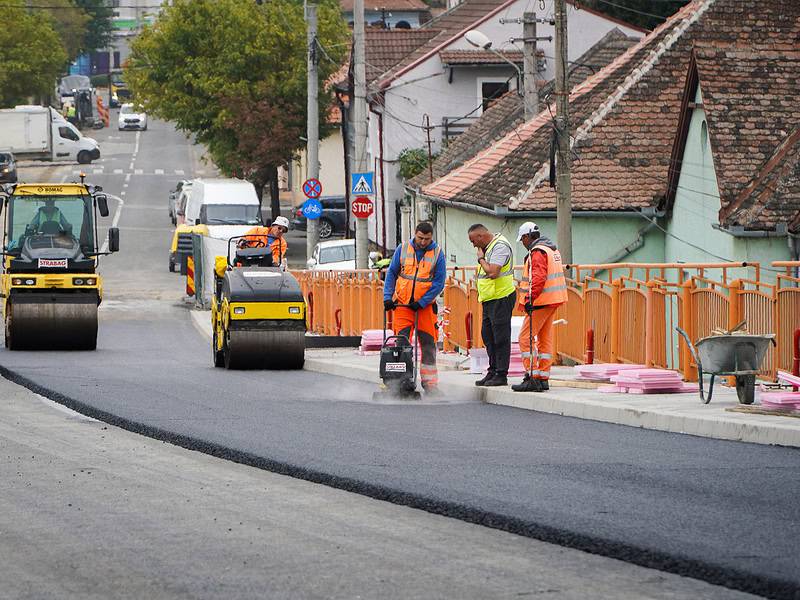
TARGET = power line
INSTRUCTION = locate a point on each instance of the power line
(633, 10)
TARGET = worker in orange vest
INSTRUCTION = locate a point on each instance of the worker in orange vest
(414, 279)
(542, 290)
(271, 237)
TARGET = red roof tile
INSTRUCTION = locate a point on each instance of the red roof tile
(479, 57)
(385, 48)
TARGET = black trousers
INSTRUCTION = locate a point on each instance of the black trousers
(496, 332)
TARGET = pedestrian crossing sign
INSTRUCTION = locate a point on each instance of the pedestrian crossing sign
(362, 184)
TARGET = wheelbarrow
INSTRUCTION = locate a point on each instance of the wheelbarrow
(726, 354)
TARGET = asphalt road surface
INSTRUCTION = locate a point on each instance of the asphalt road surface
(724, 512)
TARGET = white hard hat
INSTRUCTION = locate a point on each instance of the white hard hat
(374, 256)
(527, 227)
(282, 222)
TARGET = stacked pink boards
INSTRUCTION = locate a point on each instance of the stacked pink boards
(782, 400)
(648, 381)
(602, 371)
(372, 340)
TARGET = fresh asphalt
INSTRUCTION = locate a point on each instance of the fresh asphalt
(720, 511)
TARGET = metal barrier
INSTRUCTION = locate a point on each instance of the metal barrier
(632, 309)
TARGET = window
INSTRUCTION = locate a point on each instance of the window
(229, 214)
(703, 136)
(116, 59)
(491, 91)
(334, 254)
(62, 221)
(68, 134)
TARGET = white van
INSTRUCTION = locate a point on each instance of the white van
(228, 207)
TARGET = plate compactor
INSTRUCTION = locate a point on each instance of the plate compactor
(398, 368)
(50, 286)
(258, 312)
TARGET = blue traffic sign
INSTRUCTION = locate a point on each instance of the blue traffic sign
(312, 209)
(362, 184)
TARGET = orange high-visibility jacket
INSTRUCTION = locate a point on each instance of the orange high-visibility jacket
(415, 278)
(278, 246)
(555, 286)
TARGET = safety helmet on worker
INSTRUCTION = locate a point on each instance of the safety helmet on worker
(528, 228)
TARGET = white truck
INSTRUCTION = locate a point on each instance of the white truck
(41, 133)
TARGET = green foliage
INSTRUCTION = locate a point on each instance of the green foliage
(100, 29)
(69, 21)
(32, 56)
(206, 64)
(413, 161)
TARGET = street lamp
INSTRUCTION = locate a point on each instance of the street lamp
(480, 40)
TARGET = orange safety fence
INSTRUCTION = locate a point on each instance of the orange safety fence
(632, 309)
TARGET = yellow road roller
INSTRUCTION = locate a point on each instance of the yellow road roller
(258, 313)
(50, 285)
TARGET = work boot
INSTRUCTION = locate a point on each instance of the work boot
(528, 384)
(485, 378)
(496, 381)
(544, 384)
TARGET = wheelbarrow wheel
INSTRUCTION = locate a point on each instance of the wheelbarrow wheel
(746, 388)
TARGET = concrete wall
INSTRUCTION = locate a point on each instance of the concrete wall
(595, 239)
(697, 203)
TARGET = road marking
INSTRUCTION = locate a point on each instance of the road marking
(97, 171)
(117, 171)
(138, 171)
(122, 193)
(136, 146)
(179, 172)
(130, 166)
(127, 177)
(159, 171)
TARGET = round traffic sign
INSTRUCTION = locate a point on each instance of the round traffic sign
(312, 209)
(362, 207)
(312, 188)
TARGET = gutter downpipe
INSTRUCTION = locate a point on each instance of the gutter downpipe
(383, 182)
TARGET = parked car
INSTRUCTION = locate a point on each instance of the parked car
(132, 117)
(333, 219)
(333, 255)
(174, 197)
(8, 168)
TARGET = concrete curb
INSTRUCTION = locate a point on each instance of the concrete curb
(711, 421)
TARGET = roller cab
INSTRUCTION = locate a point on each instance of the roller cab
(258, 314)
(50, 286)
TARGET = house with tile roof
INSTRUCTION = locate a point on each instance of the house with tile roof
(642, 187)
(390, 14)
(441, 80)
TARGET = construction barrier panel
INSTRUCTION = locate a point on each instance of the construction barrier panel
(632, 309)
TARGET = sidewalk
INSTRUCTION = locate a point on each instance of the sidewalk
(676, 413)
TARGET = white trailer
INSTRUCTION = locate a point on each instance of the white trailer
(41, 133)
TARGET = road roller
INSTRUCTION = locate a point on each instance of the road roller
(258, 313)
(50, 285)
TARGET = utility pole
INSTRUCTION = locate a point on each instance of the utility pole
(563, 157)
(312, 125)
(531, 92)
(360, 124)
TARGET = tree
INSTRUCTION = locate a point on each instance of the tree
(68, 20)
(100, 28)
(209, 65)
(33, 56)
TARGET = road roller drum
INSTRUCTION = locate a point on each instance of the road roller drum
(43, 321)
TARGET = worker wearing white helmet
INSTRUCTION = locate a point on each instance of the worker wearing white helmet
(271, 237)
(541, 291)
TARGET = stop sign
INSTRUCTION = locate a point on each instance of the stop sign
(362, 207)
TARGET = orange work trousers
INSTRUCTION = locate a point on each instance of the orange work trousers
(538, 325)
(403, 323)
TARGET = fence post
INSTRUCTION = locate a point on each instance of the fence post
(689, 372)
(649, 324)
(734, 303)
(615, 318)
